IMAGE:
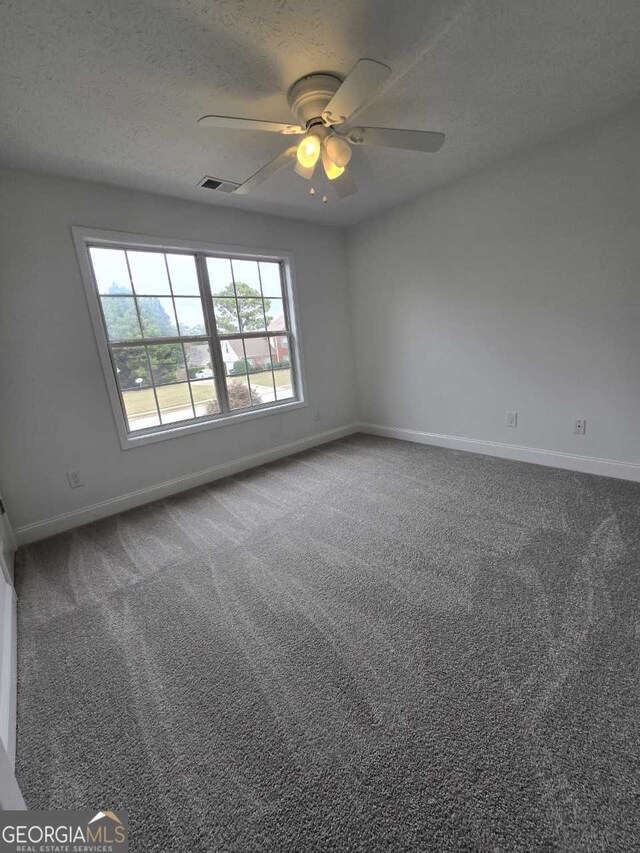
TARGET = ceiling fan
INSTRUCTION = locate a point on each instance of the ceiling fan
(322, 106)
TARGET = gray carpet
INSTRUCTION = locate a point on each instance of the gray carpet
(371, 646)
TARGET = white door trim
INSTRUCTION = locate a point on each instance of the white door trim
(8, 635)
(10, 794)
(8, 668)
(7, 545)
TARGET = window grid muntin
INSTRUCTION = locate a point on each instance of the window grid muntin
(261, 333)
(217, 363)
(262, 293)
(280, 333)
(143, 341)
(170, 385)
(245, 375)
(156, 383)
(213, 337)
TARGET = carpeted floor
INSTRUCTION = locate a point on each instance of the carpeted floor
(371, 646)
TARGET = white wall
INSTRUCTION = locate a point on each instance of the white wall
(55, 414)
(517, 288)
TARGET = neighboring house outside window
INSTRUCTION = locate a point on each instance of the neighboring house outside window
(192, 337)
(281, 344)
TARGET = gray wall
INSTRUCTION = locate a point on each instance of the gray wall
(517, 288)
(55, 414)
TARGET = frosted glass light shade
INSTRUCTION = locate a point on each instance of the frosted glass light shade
(308, 151)
(339, 150)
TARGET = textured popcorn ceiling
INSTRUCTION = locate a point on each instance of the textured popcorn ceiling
(112, 90)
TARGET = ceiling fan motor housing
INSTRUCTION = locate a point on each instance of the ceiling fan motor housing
(310, 95)
(324, 105)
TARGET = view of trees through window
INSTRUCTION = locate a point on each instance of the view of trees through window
(165, 340)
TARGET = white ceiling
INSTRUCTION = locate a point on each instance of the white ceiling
(112, 90)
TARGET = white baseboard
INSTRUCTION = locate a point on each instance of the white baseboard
(59, 523)
(551, 458)
(8, 660)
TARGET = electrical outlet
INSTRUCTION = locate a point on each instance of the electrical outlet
(580, 426)
(74, 479)
(317, 414)
(511, 419)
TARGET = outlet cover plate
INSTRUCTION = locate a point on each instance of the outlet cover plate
(74, 478)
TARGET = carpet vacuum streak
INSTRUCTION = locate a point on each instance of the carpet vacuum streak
(371, 646)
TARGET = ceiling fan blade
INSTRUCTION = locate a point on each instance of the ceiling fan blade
(270, 169)
(230, 122)
(356, 90)
(391, 137)
(344, 185)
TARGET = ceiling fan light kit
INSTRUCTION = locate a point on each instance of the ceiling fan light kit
(308, 151)
(338, 150)
(322, 105)
(331, 169)
(309, 96)
(305, 172)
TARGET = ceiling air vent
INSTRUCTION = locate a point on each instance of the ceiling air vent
(217, 184)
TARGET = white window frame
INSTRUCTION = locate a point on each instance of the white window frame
(84, 238)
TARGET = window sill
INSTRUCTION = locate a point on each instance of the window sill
(130, 440)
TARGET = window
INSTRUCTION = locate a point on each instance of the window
(191, 337)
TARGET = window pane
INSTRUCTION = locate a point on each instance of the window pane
(182, 270)
(258, 354)
(190, 317)
(157, 316)
(226, 315)
(280, 355)
(110, 270)
(238, 392)
(284, 384)
(261, 388)
(246, 276)
(251, 315)
(199, 363)
(175, 403)
(121, 318)
(167, 363)
(233, 356)
(157, 295)
(220, 277)
(132, 367)
(205, 398)
(270, 277)
(274, 310)
(140, 408)
(149, 272)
